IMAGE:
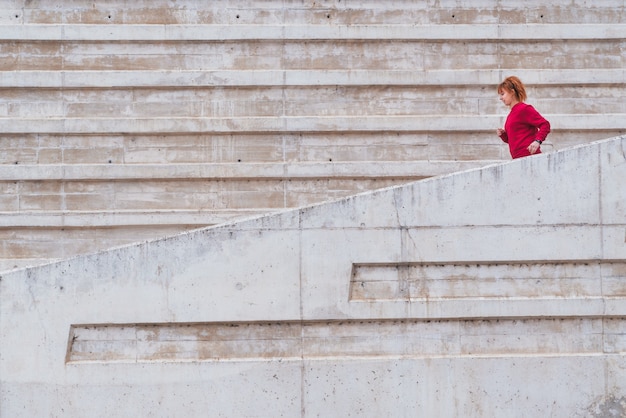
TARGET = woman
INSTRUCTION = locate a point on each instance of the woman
(525, 129)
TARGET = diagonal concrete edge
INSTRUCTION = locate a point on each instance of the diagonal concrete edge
(537, 237)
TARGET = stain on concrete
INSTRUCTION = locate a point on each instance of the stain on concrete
(608, 408)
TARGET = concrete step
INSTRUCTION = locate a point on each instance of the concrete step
(107, 218)
(311, 32)
(277, 124)
(271, 12)
(179, 194)
(248, 171)
(196, 79)
(21, 247)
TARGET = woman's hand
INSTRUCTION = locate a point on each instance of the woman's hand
(533, 147)
(500, 132)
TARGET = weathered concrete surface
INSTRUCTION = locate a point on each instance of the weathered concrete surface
(493, 292)
(123, 121)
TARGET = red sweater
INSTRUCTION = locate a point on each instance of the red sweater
(523, 125)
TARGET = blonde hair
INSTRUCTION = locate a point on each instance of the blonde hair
(515, 85)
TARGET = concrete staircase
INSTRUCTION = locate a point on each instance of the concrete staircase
(127, 121)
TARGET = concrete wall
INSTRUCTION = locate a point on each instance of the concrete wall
(493, 292)
(122, 121)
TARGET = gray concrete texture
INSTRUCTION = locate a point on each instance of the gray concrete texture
(491, 292)
(124, 121)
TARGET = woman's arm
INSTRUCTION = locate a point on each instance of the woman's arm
(502, 134)
(533, 118)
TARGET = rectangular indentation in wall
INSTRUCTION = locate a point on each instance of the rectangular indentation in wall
(487, 280)
(183, 342)
(295, 340)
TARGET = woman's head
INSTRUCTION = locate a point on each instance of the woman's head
(515, 86)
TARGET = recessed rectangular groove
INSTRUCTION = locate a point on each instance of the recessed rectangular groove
(488, 280)
(295, 340)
